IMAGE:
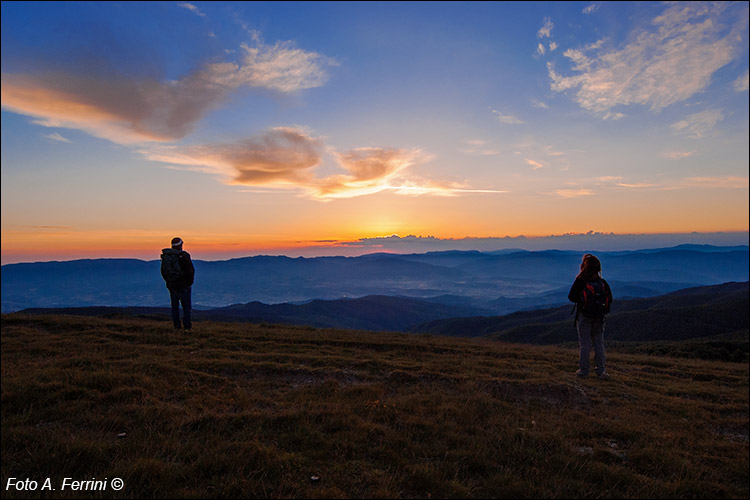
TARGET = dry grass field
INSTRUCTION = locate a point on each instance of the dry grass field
(241, 410)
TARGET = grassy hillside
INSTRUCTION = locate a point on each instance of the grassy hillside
(376, 313)
(242, 410)
(710, 322)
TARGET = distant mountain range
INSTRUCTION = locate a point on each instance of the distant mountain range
(445, 284)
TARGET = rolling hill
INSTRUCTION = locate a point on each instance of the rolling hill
(375, 313)
(716, 313)
(691, 313)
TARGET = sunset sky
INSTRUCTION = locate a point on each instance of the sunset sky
(294, 127)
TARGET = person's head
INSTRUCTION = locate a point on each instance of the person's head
(591, 268)
(177, 243)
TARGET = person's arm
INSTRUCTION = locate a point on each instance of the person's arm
(575, 290)
(187, 268)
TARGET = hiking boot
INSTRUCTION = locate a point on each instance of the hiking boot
(604, 376)
(581, 374)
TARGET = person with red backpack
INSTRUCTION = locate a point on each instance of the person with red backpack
(593, 297)
(179, 274)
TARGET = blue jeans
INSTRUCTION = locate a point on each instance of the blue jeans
(591, 331)
(177, 297)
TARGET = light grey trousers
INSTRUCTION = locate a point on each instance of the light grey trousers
(591, 333)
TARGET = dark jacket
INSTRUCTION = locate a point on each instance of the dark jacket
(579, 284)
(187, 271)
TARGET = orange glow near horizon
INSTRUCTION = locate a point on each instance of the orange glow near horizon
(59, 244)
(307, 228)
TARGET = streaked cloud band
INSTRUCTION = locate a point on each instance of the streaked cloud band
(127, 110)
(287, 157)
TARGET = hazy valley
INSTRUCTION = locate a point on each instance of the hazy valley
(489, 282)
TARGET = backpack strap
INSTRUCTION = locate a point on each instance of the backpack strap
(575, 308)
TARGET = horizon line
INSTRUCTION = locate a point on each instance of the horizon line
(411, 244)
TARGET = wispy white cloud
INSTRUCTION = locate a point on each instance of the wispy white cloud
(605, 184)
(191, 8)
(573, 193)
(609, 115)
(475, 142)
(281, 67)
(127, 110)
(601, 186)
(610, 178)
(589, 9)
(698, 125)
(663, 64)
(742, 83)
(58, 138)
(539, 104)
(507, 119)
(546, 30)
(676, 155)
(580, 61)
(550, 151)
(543, 156)
(479, 147)
(619, 182)
(535, 164)
(707, 182)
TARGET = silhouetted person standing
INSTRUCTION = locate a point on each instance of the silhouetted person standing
(593, 297)
(178, 273)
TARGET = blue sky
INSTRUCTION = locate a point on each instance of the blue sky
(262, 127)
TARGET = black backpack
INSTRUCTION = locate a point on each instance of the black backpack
(595, 300)
(170, 267)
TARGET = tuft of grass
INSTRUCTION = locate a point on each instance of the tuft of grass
(242, 410)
